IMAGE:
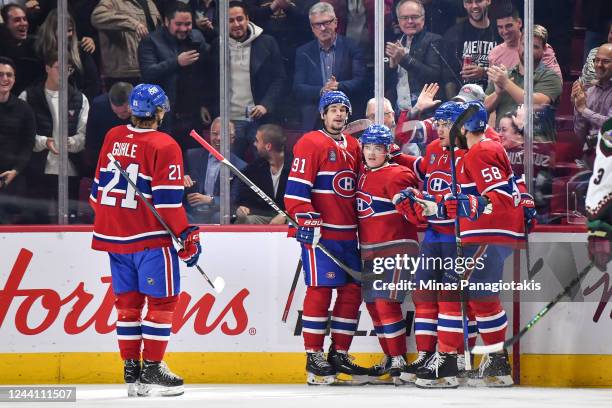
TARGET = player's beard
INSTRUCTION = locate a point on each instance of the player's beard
(334, 129)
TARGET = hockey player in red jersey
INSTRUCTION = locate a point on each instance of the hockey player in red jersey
(384, 234)
(491, 223)
(143, 261)
(434, 170)
(320, 196)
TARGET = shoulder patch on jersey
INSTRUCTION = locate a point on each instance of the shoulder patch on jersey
(331, 155)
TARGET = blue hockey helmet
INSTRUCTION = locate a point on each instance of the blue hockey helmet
(448, 112)
(146, 98)
(478, 121)
(377, 134)
(332, 97)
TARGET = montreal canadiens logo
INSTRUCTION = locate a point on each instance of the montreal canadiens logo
(364, 205)
(439, 183)
(344, 183)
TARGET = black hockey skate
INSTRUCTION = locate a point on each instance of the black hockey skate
(343, 364)
(157, 379)
(494, 371)
(439, 372)
(131, 375)
(379, 372)
(388, 370)
(319, 371)
(409, 375)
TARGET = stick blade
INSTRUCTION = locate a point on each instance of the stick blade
(536, 268)
(491, 348)
(219, 284)
(357, 126)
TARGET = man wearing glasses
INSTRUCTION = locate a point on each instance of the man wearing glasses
(331, 62)
(414, 59)
(202, 188)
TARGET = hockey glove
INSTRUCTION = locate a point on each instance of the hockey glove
(529, 210)
(600, 233)
(466, 206)
(405, 207)
(191, 245)
(394, 151)
(309, 228)
(425, 206)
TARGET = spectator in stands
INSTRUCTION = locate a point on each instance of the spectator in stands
(17, 133)
(389, 113)
(257, 76)
(588, 76)
(507, 53)
(122, 25)
(414, 59)
(202, 169)
(331, 62)
(80, 10)
(505, 91)
(511, 126)
(44, 166)
(16, 44)
(85, 76)
(176, 57)
(468, 45)
(106, 111)
(593, 106)
(206, 17)
(270, 173)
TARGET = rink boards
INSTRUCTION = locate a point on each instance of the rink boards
(57, 317)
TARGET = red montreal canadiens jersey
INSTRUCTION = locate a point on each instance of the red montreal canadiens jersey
(323, 179)
(153, 160)
(382, 230)
(434, 169)
(485, 170)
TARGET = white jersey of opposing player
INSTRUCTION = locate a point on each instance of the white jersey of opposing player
(599, 194)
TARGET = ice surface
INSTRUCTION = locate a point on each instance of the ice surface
(303, 396)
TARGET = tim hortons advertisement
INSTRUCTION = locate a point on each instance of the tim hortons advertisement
(56, 296)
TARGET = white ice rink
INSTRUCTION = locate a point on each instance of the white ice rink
(302, 396)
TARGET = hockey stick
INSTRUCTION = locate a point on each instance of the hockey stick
(531, 271)
(357, 126)
(492, 348)
(455, 131)
(219, 283)
(354, 274)
(292, 291)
